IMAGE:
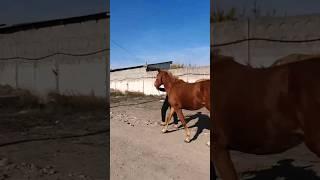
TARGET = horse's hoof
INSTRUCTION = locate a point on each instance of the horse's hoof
(164, 130)
(208, 143)
(187, 140)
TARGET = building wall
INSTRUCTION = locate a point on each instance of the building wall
(263, 53)
(138, 80)
(76, 74)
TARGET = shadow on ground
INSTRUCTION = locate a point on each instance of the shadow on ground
(284, 169)
(202, 123)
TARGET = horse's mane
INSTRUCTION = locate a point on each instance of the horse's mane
(218, 59)
(294, 58)
(279, 63)
(174, 78)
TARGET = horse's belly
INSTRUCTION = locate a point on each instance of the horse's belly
(192, 106)
(270, 144)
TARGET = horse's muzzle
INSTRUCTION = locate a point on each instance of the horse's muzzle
(156, 85)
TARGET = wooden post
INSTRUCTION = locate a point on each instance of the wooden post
(127, 86)
(143, 85)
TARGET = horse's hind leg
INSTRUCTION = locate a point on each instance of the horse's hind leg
(181, 117)
(223, 162)
(311, 125)
(221, 154)
(165, 129)
(312, 142)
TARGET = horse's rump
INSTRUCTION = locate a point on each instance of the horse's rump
(264, 111)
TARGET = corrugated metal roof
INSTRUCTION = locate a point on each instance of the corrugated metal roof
(135, 67)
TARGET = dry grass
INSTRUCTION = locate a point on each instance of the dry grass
(176, 66)
(28, 100)
(76, 101)
(17, 98)
(116, 94)
(23, 99)
(134, 94)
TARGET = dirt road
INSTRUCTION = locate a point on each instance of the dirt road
(139, 150)
(84, 157)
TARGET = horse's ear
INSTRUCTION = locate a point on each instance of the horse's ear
(158, 70)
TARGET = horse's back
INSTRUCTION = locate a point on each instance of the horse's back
(191, 96)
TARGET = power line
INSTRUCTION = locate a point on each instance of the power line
(125, 49)
(54, 54)
(98, 132)
(121, 47)
(265, 39)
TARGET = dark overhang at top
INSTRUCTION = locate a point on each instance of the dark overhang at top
(55, 22)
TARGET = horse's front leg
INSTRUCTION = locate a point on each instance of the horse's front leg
(181, 117)
(165, 129)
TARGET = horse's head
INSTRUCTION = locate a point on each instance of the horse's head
(167, 79)
(159, 79)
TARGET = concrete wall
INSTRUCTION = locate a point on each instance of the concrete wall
(78, 75)
(138, 80)
(264, 53)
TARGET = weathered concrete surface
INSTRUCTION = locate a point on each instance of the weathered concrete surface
(84, 75)
(263, 53)
(139, 80)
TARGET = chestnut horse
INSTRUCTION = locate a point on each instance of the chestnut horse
(183, 95)
(264, 111)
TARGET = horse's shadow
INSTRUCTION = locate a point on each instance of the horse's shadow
(284, 169)
(202, 123)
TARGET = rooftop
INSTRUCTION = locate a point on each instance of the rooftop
(134, 67)
(42, 24)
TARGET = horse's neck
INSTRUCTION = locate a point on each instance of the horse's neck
(168, 86)
(170, 82)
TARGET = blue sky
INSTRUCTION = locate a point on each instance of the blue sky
(156, 31)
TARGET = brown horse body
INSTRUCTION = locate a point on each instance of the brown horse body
(264, 111)
(183, 95)
(190, 96)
